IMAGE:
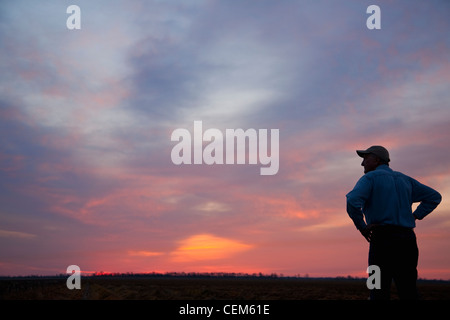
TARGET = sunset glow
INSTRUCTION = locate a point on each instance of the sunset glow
(86, 117)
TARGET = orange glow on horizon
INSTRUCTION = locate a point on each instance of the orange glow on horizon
(207, 247)
(143, 253)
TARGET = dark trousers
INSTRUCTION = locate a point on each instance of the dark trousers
(394, 249)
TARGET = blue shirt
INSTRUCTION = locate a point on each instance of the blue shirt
(384, 196)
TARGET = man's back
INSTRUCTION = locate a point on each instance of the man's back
(386, 197)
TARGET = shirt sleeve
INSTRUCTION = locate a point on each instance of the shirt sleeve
(429, 199)
(356, 200)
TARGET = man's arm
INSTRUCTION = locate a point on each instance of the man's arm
(356, 200)
(429, 199)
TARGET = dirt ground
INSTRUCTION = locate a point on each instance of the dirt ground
(203, 289)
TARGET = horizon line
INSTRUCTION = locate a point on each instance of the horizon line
(196, 275)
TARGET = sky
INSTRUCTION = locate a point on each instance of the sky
(86, 118)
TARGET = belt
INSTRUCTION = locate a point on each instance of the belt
(391, 228)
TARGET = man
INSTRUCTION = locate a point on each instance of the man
(384, 198)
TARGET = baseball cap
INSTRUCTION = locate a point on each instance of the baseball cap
(379, 151)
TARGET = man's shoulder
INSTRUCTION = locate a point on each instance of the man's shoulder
(387, 171)
(401, 174)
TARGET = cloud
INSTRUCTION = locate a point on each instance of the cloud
(16, 234)
(212, 206)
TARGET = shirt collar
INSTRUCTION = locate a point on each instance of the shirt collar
(383, 167)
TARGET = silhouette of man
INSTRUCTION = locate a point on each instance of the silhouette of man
(384, 198)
